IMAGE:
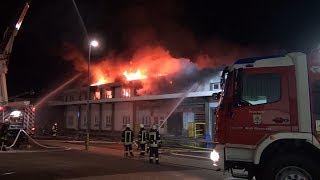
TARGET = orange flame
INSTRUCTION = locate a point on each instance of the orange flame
(98, 77)
(134, 75)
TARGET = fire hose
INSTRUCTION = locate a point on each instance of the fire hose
(17, 137)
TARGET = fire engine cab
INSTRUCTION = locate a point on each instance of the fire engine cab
(268, 118)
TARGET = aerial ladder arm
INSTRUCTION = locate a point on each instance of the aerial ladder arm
(5, 51)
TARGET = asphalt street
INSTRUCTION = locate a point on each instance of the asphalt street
(101, 162)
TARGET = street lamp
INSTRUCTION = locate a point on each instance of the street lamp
(93, 43)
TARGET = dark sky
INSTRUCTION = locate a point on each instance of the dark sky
(186, 28)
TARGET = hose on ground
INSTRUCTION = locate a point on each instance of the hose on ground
(23, 131)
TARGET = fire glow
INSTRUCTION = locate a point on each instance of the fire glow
(134, 75)
(147, 64)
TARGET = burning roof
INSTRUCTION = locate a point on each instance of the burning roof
(151, 67)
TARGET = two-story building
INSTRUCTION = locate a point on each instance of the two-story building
(188, 113)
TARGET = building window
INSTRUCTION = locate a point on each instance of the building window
(96, 121)
(155, 120)
(108, 93)
(108, 120)
(84, 121)
(125, 92)
(214, 86)
(146, 120)
(260, 89)
(126, 120)
(97, 95)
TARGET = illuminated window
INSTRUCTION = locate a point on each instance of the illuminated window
(108, 94)
(126, 92)
(97, 95)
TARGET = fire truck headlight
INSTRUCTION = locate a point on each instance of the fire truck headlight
(214, 156)
(15, 113)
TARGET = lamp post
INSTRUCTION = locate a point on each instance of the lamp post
(93, 43)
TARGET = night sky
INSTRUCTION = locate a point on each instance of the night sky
(221, 29)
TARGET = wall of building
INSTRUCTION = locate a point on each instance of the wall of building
(83, 117)
(106, 117)
(123, 115)
(72, 117)
(95, 116)
(114, 116)
(150, 116)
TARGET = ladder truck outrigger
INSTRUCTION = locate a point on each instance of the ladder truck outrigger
(20, 114)
(268, 118)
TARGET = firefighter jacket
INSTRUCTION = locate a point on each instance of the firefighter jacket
(154, 138)
(142, 136)
(4, 131)
(127, 136)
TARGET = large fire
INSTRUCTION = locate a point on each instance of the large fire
(100, 77)
(146, 64)
(134, 75)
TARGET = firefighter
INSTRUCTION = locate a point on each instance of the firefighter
(54, 130)
(4, 134)
(142, 140)
(127, 140)
(154, 144)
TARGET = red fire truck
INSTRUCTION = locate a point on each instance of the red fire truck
(268, 118)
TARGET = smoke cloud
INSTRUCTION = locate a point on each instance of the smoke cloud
(149, 37)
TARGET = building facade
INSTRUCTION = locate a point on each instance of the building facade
(189, 113)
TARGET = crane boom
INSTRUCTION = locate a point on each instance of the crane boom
(5, 51)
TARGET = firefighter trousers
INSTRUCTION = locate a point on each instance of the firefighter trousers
(142, 149)
(154, 151)
(127, 149)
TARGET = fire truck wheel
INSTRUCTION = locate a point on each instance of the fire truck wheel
(291, 166)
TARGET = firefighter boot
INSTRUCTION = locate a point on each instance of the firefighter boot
(151, 160)
(131, 153)
(157, 160)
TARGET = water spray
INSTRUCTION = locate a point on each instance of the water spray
(184, 95)
(56, 90)
(81, 21)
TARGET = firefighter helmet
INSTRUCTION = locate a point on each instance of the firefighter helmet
(141, 126)
(128, 126)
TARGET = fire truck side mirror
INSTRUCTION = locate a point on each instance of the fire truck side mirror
(216, 96)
